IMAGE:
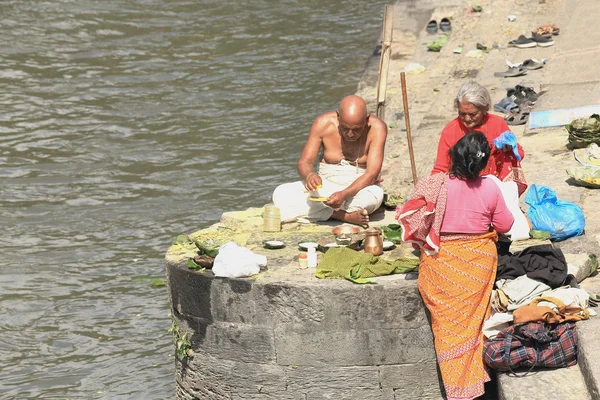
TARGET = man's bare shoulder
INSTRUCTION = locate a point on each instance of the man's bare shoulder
(325, 123)
(377, 126)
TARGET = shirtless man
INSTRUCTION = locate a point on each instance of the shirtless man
(353, 145)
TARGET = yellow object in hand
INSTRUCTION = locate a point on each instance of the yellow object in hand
(318, 198)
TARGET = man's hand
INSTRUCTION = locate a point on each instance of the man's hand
(336, 200)
(313, 182)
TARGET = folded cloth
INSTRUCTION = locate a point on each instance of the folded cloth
(344, 263)
(543, 263)
(421, 216)
(508, 138)
(536, 312)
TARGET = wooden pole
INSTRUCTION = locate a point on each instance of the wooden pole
(384, 60)
(408, 134)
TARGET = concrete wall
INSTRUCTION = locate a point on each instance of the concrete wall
(285, 336)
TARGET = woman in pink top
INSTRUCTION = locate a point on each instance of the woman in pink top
(454, 218)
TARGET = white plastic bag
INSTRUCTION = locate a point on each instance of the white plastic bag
(234, 261)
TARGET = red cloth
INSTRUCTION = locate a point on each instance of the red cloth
(421, 216)
(502, 165)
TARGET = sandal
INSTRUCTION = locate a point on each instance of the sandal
(445, 25)
(516, 118)
(532, 63)
(546, 29)
(543, 41)
(506, 105)
(432, 27)
(522, 94)
(511, 72)
(522, 42)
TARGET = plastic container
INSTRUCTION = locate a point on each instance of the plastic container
(311, 259)
(271, 219)
(303, 260)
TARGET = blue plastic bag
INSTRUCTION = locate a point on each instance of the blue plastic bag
(509, 138)
(562, 219)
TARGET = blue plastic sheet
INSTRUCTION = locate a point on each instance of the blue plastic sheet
(508, 138)
(562, 219)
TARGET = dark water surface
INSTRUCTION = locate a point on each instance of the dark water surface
(123, 124)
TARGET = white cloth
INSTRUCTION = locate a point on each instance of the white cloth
(496, 323)
(568, 295)
(521, 291)
(510, 192)
(292, 198)
(234, 261)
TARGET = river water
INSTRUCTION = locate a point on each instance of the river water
(122, 125)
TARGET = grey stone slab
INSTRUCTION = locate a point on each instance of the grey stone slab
(589, 335)
(583, 263)
(334, 382)
(302, 345)
(561, 383)
(411, 381)
(210, 377)
(375, 305)
(558, 95)
(232, 341)
(190, 291)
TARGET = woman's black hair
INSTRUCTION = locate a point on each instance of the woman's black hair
(469, 155)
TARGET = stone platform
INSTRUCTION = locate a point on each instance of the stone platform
(284, 334)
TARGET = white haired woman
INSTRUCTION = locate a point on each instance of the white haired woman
(473, 103)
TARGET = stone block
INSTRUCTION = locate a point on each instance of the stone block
(588, 332)
(583, 263)
(233, 300)
(411, 381)
(304, 345)
(390, 306)
(561, 383)
(269, 304)
(231, 341)
(325, 382)
(210, 377)
(190, 291)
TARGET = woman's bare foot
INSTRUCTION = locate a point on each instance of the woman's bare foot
(359, 217)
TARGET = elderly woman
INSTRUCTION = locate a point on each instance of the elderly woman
(450, 218)
(473, 103)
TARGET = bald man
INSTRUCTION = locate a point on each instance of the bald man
(353, 143)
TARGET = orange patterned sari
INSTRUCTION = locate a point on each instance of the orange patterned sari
(456, 285)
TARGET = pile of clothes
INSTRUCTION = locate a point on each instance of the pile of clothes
(536, 294)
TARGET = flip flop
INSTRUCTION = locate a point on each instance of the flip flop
(531, 64)
(522, 42)
(505, 105)
(511, 72)
(445, 25)
(432, 27)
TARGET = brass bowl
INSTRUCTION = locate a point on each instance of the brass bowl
(345, 230)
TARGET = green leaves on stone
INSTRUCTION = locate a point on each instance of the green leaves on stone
(393, 233)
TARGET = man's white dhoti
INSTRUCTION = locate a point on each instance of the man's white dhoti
(292, 198)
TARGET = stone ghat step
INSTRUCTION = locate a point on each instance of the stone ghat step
(562, 383)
